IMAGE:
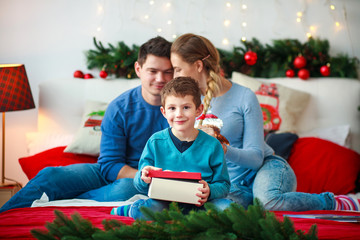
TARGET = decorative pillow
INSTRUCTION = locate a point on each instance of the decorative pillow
(281, 105)
(281, 143)
(51, 158)
(87, 139)
(324, 166)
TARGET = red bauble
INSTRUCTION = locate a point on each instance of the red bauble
(303, 74)
(299, 62)
(250, 58)
(78, 74)
(103, 74)
(325, 70)
(290, 73)
(88, 75)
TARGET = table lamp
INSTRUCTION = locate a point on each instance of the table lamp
(15, 94)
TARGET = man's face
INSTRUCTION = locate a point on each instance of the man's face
(154, 74)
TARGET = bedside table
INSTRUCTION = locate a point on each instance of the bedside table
(6, 192)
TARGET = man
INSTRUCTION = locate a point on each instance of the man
(129, 121)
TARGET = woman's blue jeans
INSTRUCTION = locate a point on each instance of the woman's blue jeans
(83, 181)
(275, 186)
(159, 205)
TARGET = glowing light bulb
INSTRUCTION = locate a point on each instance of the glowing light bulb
(332, 7)
(174, 36)
(225, 41)
(146, 17)
(299, 14)
(98, 29)
(159, 30)
(244, 24)
(244, 6)
(337, 24)
(298, 19)
(151, 2)
(243, 39)
(169, 22)
(228, 4)
(168, 4)
(308, 35)
(312, 28)
(226, 23)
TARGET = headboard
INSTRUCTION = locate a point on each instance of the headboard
(333, 102)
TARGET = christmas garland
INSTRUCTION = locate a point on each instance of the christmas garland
(232, 223)
(285, 57)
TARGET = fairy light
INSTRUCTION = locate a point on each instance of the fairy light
(169, 22)
(337, 24)
(299, 17)
(146, 17)
(174, 36)
(151, 2)
(227, 23)
(332, 7)
(225, 41)
(159, 30)
(243, 39)
(244, 24)
(98, 29)
(308, 35)
(228, 4)
(168, 4)
(244, 6)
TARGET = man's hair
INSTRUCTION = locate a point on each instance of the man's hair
(157, 46)
(181, 87)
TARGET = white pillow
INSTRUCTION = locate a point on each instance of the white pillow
(87, 138)
(41, 141)
(281, 105)
(336, 134)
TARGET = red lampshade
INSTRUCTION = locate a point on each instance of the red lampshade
(15, 92)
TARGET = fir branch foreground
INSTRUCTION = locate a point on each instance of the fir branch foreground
(233, 223)
(273, 60)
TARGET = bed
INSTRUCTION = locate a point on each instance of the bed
(319, 135)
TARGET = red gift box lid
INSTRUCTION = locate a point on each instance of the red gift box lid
(175, 175)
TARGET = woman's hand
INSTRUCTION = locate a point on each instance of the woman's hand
(145, 173)
(207, 129)
(205, 193)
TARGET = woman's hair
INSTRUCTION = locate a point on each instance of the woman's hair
(181, 87)
(190, 48)
(157, 46)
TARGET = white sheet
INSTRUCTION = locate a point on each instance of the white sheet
(44, 202)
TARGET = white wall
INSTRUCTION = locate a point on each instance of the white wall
(50, 37)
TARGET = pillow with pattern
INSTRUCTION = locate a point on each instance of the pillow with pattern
(87, 139)
(281, 106)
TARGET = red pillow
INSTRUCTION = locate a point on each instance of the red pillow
(324, 166)
(50, 158)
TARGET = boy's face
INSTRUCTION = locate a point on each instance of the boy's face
(154, 74)
(181, 112)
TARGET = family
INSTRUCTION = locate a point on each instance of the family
(152, 127)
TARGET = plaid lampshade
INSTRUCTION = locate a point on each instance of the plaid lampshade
(15, 92)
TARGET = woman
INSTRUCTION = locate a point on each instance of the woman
(254, 170)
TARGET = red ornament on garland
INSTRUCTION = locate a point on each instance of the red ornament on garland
(325, 70)
(78, 74)
(103, 74)
(250, 57)
(299, 62)
(303, 74)
(88, 76)
(290, 73)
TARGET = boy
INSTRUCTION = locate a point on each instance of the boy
(181, 148)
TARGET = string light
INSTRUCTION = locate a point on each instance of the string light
(225, 41)
(244, 24)
(228, 4)
(168, 4)
(159, 30)
(151, 2)
(244, 7)
(332, 7)
(227, 23)
(146, 17)
(243, 39)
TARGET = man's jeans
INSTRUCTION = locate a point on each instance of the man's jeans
(83, 181)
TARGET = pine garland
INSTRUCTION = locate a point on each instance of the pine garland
(232, 223)
(273, 60)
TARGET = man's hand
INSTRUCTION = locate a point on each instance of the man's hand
(145, 173)
(126, 172)
(205, 193)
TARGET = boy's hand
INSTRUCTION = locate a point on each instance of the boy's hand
(145, 173)
(205, 193)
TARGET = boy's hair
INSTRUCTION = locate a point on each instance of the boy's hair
(181, 86)
(157, 46)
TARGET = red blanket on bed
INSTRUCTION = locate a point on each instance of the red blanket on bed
(17, 223)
